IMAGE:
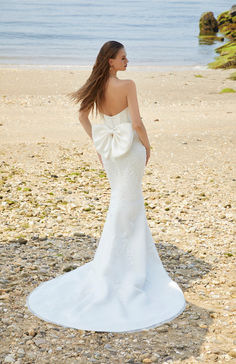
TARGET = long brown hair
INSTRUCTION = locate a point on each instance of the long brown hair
(93, 91)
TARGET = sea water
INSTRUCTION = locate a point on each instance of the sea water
(71, 32)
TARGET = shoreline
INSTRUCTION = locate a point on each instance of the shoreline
(136, 68)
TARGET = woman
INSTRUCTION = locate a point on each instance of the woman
(125, 288)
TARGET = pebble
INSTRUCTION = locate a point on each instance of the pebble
(21, 353)
(39, 341)
(232, 353)
(155, 358)
(9, 359)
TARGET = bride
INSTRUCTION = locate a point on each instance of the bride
(125, 288)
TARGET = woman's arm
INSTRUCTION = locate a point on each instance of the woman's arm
(85, 122)
(137, 123)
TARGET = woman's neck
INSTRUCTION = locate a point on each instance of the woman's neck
(113, 75)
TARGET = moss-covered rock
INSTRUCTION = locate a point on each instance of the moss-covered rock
(227, 58)
(208, 24)
(227, 24)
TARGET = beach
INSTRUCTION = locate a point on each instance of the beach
(55, 195)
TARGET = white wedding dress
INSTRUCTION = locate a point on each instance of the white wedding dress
(125, 288)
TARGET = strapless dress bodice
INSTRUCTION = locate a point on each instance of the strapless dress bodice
(121, 117)
(113, 138)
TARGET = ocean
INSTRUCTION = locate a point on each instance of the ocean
(70, 33)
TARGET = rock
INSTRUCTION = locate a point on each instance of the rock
(21, 241)
(155, 358)
(32, 332)
(42, 238)
(5, 297)
(144, 356)
(87, 208)
(6, 321)
(31, 355)
(232, 353)
(9, 359)
(79, 234)
(69, 268)
(208, 24)
(21, 353)
(227, 57)
(167, 359)
(108, 347)
(233, 10)
(203, 326)
(39, 341)
(227, 24)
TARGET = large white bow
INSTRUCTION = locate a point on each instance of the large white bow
(112, 141)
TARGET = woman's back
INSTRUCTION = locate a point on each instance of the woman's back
(115, 96)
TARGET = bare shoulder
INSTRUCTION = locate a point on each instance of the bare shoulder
(129, 84)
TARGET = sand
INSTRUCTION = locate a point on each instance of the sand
(176, 107)
(54, 198)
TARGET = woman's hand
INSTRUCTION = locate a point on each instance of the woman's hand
(148, 152)
(100, 158)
